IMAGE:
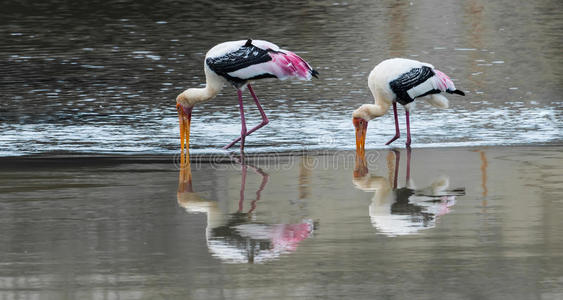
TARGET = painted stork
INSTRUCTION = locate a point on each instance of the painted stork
(401, 80)
(238, 63)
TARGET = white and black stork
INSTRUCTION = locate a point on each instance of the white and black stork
(401, 80)
(238, 63)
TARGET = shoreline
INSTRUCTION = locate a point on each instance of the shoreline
(258, 150)
(82, 158)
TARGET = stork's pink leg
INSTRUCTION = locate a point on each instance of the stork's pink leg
(243, 131)
(262, 113)
(408, 143)
(397, 132)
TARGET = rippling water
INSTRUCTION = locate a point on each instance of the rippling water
(102, 77)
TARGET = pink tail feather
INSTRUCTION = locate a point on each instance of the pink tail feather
(444, 82)
(289, 64)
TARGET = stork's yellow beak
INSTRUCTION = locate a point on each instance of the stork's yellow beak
(361, 131)
(185, 119)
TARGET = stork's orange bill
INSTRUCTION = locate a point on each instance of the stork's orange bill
(184, 118)
(361, 131)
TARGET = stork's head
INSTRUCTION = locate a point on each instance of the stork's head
(360, 118)
(184, 99)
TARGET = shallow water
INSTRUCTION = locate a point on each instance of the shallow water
(482, 223)
(102, 77)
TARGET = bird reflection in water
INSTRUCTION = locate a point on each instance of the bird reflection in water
(402, 211)
(238, 237)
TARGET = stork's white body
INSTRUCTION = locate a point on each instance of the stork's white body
(289, 67)
(403, 80)
(232, 46)
(238, 63)
(390, 69)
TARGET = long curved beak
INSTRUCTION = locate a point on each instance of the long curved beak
(361, 131)
(185, 119)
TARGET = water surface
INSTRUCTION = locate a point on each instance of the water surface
(103, 76)
(439, 223)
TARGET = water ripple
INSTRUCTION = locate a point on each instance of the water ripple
(88, 79)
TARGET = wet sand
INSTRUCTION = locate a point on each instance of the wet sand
(456, 223)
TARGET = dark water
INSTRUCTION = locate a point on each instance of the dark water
(102, 76)
(438, 224)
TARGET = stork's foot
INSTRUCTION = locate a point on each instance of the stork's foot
(234, 142)
(393, 139)
(264, 123)
(230, 144)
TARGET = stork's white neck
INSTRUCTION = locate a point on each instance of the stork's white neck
(190, 97)
(193, 96)
(371, 111)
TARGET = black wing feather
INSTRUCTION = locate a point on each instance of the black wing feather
(247, 55)
(408, 80)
